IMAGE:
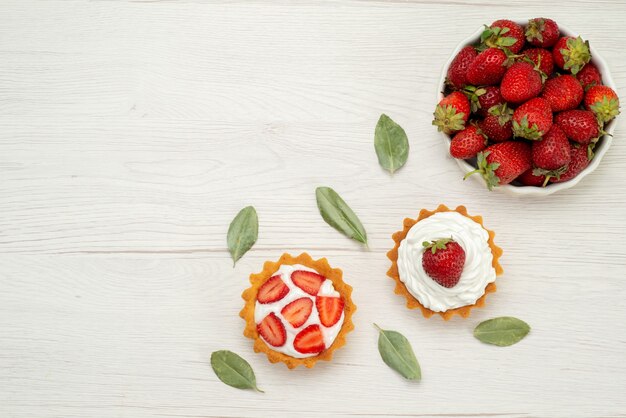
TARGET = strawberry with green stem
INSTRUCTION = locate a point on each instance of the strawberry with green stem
(443, 260)
(504, 34)
(451, 113)
(542, 32)
(603, 101)
(501, 163)
(571, 54)
(532, 119)
(551, 154)
(497, 125)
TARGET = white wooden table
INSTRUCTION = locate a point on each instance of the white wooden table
(131, 133)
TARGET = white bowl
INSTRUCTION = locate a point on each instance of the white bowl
(601, 148)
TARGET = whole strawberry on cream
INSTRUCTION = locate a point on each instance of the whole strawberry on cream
(298, 310)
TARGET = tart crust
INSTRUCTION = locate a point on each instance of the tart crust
(250, 297)
(411, 301)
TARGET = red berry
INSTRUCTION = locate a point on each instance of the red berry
(308, 281)
(505, 33)
(603, 101)
(488, 68)
(298, 311)
(563, 93)
(579, 125)
(542, 32)
(578, 163)
(488, 99)
(452, 112)
(552, 151)
(329, 309)
(589, 76)
(521, 82)
(542, 59)
(528, 178)
(310, 340)
(272, 330)
(497, 124)
(532, 119)
(501, 163)
(571, 54)
(272, 290)
(457, 72)
(443, 261)
(467, 143)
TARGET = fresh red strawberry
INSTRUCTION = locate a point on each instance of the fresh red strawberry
(603, 101)
(563, 93)
(457, 72)
(528, 178)
(330, 309)
(579, 125)
(298, 311)
(521, 82)
(452, 112)
(504, 34)
(542, 32)
(310, 340)
(491, 97)
(308, 281)
(467, 143)
(272, 290)
(589, 76)
(501, 163)
(571, 54)
(272, 330)
(488, 68)
(578, 163)
(443, 261)
(552, 151)
(497, 124)
(542, 58)
(532, 119)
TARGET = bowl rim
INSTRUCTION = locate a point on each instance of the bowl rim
(604, 142)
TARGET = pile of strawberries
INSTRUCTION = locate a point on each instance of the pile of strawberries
(527, 103)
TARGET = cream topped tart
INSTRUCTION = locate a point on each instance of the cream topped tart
(444, 262)
(298, 310)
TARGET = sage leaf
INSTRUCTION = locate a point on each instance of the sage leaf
(233, 370)
(338, 214)
(397, 353)
(502, 331)
(242, 233)
(391, 144)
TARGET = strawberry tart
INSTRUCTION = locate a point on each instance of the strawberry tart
(298, 310)
(444, 262)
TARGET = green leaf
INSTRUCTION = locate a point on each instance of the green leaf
(502, 331)
(397, 353)
(338, 214)
(233, 370)
(242, 233)
(391, 144)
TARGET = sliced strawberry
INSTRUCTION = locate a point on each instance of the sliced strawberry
(309, 340)
(298, 311)
(272, 290)
(308, 281)
(272, 330)
(330, 309)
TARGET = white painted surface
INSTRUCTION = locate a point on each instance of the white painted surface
(132, 132)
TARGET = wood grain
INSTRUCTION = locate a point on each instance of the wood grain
(132, 132)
